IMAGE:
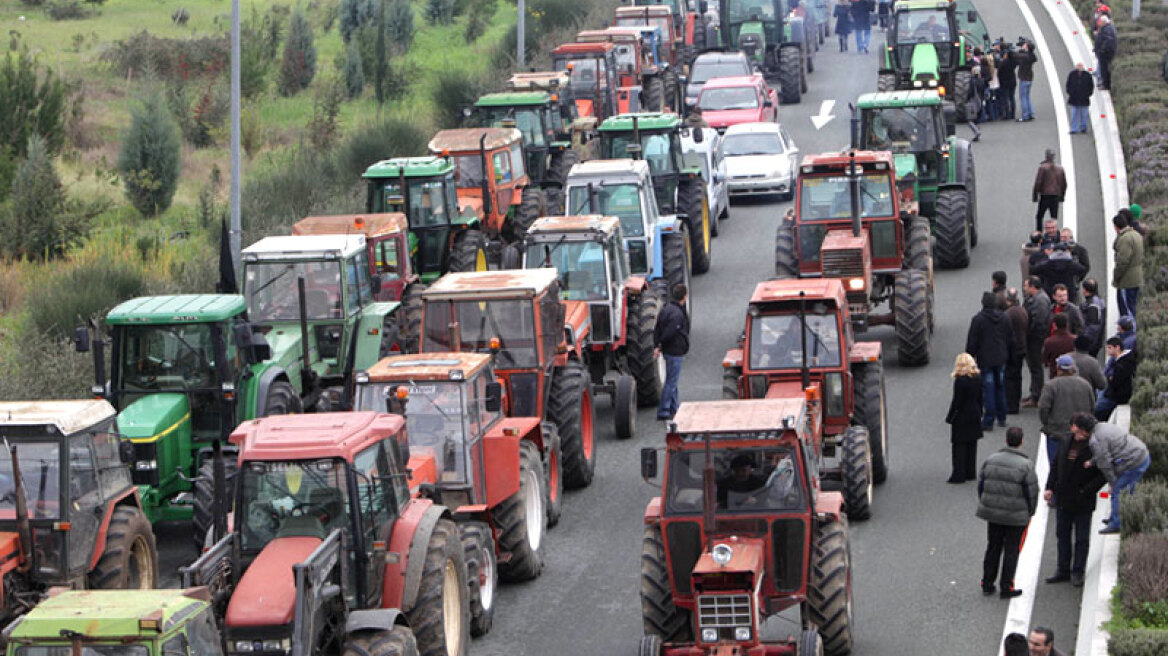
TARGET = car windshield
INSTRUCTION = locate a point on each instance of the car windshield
(743, 10)
(273, 293)
(435, 417)
(39, 464)
(478, 321)
(775, 342)
(758, 143)
(748, 480)
(728, 98)
(900, 129)
(300, 498)
(175, 357)
(620, 200)
(704, 71)
(924, 26)
(426, 201)
(828, 197)
(579, 263)
(655, 149)
(528, 120)
(86, 650)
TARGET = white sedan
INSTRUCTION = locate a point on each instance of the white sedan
(760, 158)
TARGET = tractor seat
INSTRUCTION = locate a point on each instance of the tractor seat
(301, 526)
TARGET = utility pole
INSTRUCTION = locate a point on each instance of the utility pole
(520, 57)
(236, 232)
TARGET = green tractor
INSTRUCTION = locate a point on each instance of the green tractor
(928, 47)
(442, 237)
(780, 43)
(678, 183)
(933, 165)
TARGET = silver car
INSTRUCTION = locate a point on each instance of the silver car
(760, 158)
(710, 65)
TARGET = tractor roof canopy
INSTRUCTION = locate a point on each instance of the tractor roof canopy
(68, 417)
(645, 121)
(313, 436)
(463, 140)
(514, 98)
(812, 289)
(828, 162)
(583, 49)
(486, 284)
(413, 167)
(305, 247)
(428, 366)
(539, 80)
(583, 224)
(108, 614)
(607, 169)
(182, 308)
(742, 416)
(643, 10)
(370, 225)
(908, 98)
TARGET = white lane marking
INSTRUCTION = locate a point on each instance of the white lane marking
(825, 114)
(1030, 561)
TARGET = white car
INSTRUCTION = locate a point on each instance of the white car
(709, 152)
(760, 158)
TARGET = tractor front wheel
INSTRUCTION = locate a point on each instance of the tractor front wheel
(951, 227)
(911, 310)
(971, 185)
(130, 558)
(662, 618)
(482, 574)
(282, 400)
(675, 262)
(829, 595)
(410, 333)
(569, 407)
(730, 378)
(204, 504)
(856, 466)
(532, 205)
(691, 198)
(398, 641)
(786, 263)
(624, 407)
(522, 520)
(790, 75)
(918, 254)
(886, 82)
(651, 645)
(871, 411)
(553, 474)
(961, 82)
(644, 364)
(469, 252)
(440, 616)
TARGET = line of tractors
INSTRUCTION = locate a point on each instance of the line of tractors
(380, 428)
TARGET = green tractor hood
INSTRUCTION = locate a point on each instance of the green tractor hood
(154, 417)
(925, 63)
(751, 39)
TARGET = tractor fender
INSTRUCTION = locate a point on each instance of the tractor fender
(864, 352)
(636, 285)
(829, 505)
(577, 326)
(129, 497)
(374, 619)
(367, 334)
(263, 385)
(501, 458)
(410, 536)
(959, 155)
(733, 358)
(653, 511)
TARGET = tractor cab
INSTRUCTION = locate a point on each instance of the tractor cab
(637, 51)
(655, 138)
(557, 84)
(914, 126)
(928, 47)
(547, 140)
(387, 238)
(656, 26)
(490, 175)
(593, 68)
(588, 254)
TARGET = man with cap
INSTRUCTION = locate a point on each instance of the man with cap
(1086, 364)
(1062, 397)
(1030, 249)
(1127, 332)
(991, 342)
(1050, 188)
(1019, 321)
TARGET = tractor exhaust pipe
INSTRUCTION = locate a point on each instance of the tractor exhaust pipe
(306, 374)
(855, 126)
(405, 190)
(23, 529)
(592, 198)
(486, 187)
(219, 485)
(854, 176)
(803, 338)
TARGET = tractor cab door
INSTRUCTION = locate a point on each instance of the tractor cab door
(971, 26)
(433, 206)
(389, 262)
(84, 501)
(618, 272)
(505, 170)
(381, 490)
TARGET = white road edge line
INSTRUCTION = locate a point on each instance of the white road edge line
(1030, 561)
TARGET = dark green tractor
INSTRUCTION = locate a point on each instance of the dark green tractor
(779, 42)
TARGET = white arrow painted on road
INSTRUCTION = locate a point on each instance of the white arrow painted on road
(825, 114)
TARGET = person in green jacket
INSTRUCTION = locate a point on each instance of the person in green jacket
(1007, 496)
(1128, 276)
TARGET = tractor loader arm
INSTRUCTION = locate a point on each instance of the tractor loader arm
(216, 570)
(318, 580)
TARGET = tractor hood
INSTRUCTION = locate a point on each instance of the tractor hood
(266, 594)
(152, 416)
(785, 389)
(925, 64)
(747, 559)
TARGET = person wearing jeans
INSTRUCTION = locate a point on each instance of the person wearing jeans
(671, 337)
(991, 343)
(1080, 86)
(1122, 458)
(1025, 60)
(1128, 273)
(993, 382)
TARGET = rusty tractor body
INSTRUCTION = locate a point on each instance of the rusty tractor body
(850, 223)
(799, 333)
(742, 531)
(536, 339)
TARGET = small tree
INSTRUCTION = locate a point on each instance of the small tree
(150, 157)
(354, 71)
(355, 14)
(32, 102)
(299, 64)
(399, 23)
(439, 12)
(31, 226)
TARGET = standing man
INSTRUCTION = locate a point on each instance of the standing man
(1008, 79)
(1050, 188)
(1037, 306)
(1080, 86)
(1128, 275)
(862, 23)
(1121, 457)
(1087, 366)
(1094, 311)
(1060, 269)
(671, 337)
(1025, 58)
(1007, 495)
(991, 342)
(1059, 343)
(1077, 250)
(1071, 488)
(1106, 43)
(1016, 315)
(1062, 305)
(1063, 396)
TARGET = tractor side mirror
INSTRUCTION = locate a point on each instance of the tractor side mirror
(494, 400)
(375, 283)
(81, 339)
(126, 451)
(648, 463)
(252, 343)
(699, 135)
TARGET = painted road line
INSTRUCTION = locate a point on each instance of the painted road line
(1030, 560)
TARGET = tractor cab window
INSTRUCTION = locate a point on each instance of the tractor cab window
(727, 98)
(626, 57)
(580, 265)
(751, 10)
(388, 257)
(656, 149)
(374, 490)
(436, 420)
(111, 472)
(175, 357)
(41, 468)
(829, 197)
(87, 649)
(901, 129)
(278, 499)
(517, 161)
(528, 120)
(620, 200)
(273, 293)
(427, 201)
(760, 479)
(478, 321)
(84, 498)
(481, 418)
(586, 74)
(501, 164)
(469, 171)
(359, 287)
(775, 342)
(923, 26)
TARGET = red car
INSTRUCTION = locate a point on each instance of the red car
(727, 101)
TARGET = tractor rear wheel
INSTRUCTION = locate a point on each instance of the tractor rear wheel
(532, 205)
(699, 40)
(653, 95)
(829, 595)
(398, 641)
(691, 198)
(673, 99)
(282, 400)
(730, 378)
(624, 407)
(790, 75)
(675, 261)
(651, 645)
(917, 248)
(410, 333)
(522, 520)
(553, 473)
(786, 263)
(951, 227)
(662, 618)
(644, 364)
(482, 574)
(871, 410)
(810, 644)
(856, 467)
(569, 407)
(204, 504)
(440, 616)
(130, 558)
(961, 81)
(886, 82)
(971, 185)
(911, 310)
(469, 252)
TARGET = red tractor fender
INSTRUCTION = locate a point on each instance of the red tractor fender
(577, 327)
(11, 557)
(865, 352)
(409, 538)
(128, 498)
(653, 512)
(501, 456)
(829, 505)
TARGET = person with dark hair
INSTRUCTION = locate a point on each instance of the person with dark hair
(1071, 488)
(964, 418)
(1078, 251)
(862, 23)
(1008, 80)
(1050, 188)
(1094, 311)
(1060, 299)
(843, 24)
(1014, 644)
(1120, 456)
(1007, 496)
(1064, 395)
(1128, 274)
(1037, 306)
(671, 337)
(1041, 642)
(1127, 332)
(1060, 342)
(1079, 88)
(1086, 364)
(1119, 372)
(1016, 315)
(998, 287)
(991, 342)
(1025, 58)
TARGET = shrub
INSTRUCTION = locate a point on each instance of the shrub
(201, 112)
(251, 130)
(373, 143)
(81, 291)
(43, 366)
(169, 59)
(399, 25)
(1137, 642)
(30, 225)
(439, 12)
(1145, 511)
(32, 102)
(299, 63)
(1143, 576)
(256, 52)
(323, 127)
(307, 183)
(476, 20)
(454, 90)
(150, 157)
(67, 10)
(354, 71)
(355, 14)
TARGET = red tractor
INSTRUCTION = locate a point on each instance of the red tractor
(741, 532)
(593, 85)
(798, 334)
(536, 339)
(645, 83)
(328, 551)
(849, 222)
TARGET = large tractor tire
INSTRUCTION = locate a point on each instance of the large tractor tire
(886, 82)
(624, 407)
(398, 641)
(282, 400)
(553, 474)
(129, 560)
(918, 251)
(651, 645)
(911, 309)
(204, 503)
(561, 164)
(662, 618)
(441, 623)
(856, 467)
(522, 520)
(786, 262)
(829, 593)
(482, 574)
(653, 95)
(674, 97)
(645, 365)
(871, 411)
(691, 198)
(410, 333)
(961, 82)
(810, 643)
(971, 185)
(730, 378)
(569, 407)
(790, 75)
(532, 205)
(699, 40)
(675, 261)
(951, 228)
(469, 252)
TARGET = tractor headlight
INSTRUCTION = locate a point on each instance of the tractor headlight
(722, 553)
(742, 633)
(244, 646)
(278, 645)
(918, 84)
(709, 635)
(855, 284)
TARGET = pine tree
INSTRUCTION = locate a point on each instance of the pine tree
(30, 227)
(150, 157)
(299, 64)
(354, 71)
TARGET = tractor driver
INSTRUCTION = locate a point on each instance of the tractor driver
(931, 31)
(878, 133)
(779, 339)
(742, 485)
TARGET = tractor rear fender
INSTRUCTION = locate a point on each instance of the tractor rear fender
(501, 457)
(829, 505)
(256, 395)
(127, 498)
(374, 619)
(653, 511)
(635, 285)
(958, 161)
(409, 538)
(577, 327)
(370, 323)
(665, 224)
(732, 359)
(863, 352)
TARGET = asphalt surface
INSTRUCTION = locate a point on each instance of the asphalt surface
(917, 562)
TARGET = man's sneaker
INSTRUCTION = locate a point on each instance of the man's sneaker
(989, 589)
(1109, 530)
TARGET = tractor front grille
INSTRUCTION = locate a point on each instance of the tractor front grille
(846, 264)
(724, 613)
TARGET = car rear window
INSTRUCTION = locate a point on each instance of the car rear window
(705, 71)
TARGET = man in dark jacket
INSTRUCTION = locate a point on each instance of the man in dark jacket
(1007, 496)
(671, 337)
(1120, 369)
(1024, 57)
(1071, 488)
(991, 343)
(1127, 332)
(1061, 304)
(1087, 366)
(1050, 188)
(1106, 43)
(1029, 250)
(1016, 315)
(862, 23)
(1077, 250)
(1059, 269)
(1094, 311)
(1037, 306)
(1080, 86)
(1007, 80)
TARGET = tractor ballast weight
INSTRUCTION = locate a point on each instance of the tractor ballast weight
(780, 44)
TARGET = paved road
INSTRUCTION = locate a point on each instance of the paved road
(917, 561)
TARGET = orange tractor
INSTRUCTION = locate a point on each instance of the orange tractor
(798, 334)
(593, 84)
(641, 74)
(742, 531)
